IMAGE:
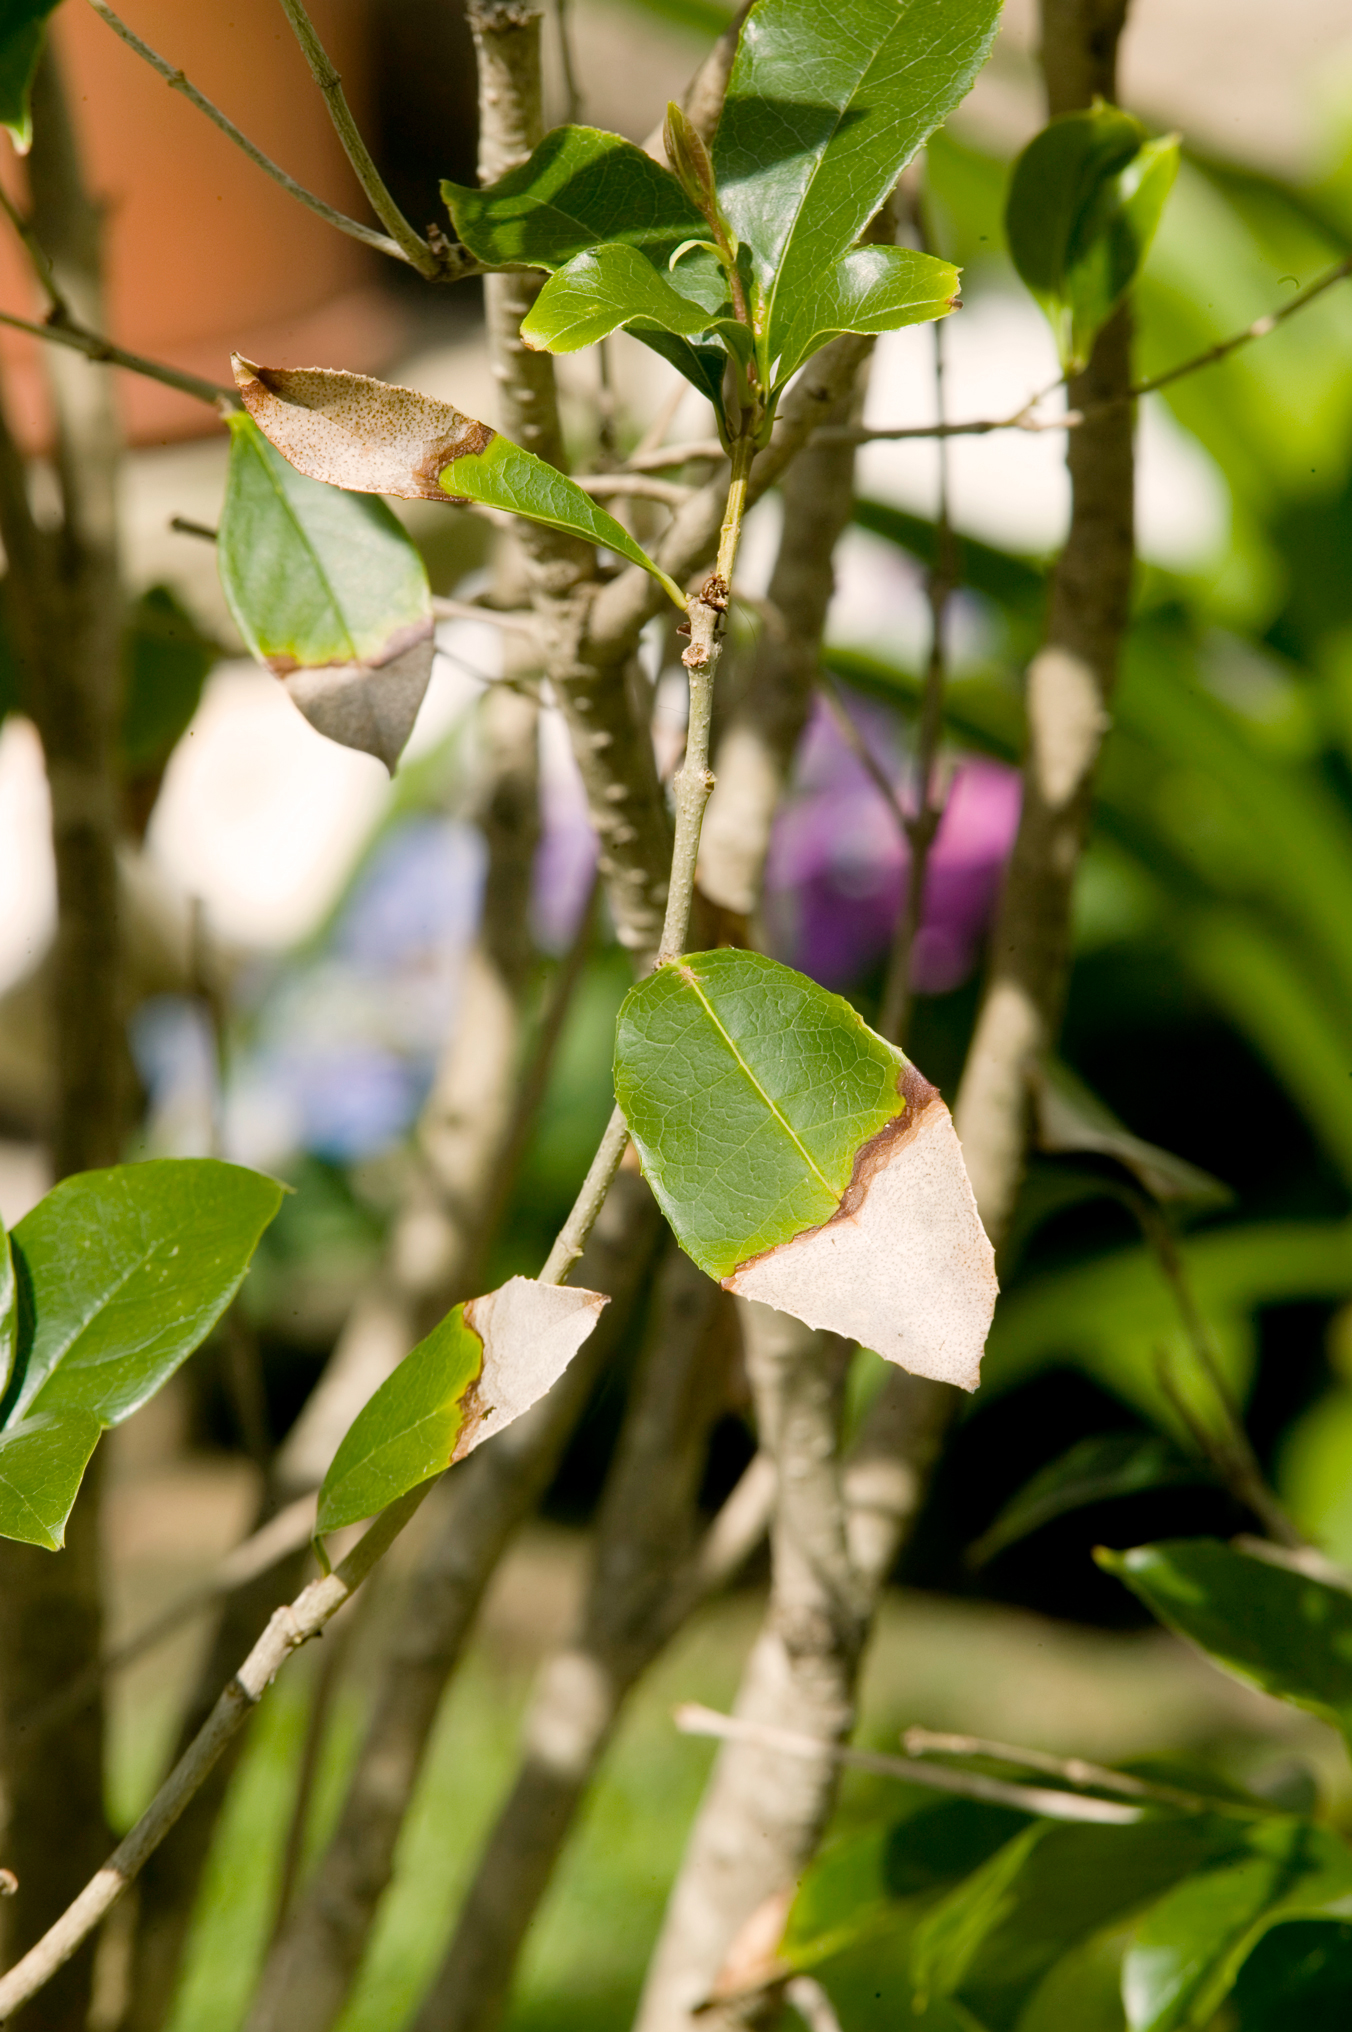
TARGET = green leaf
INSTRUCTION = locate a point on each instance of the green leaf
(822, 114)
(853, 1888)
(1190, 1946)
(329, 593)
(580, 188)
(351, 432)
(803, 1161)
(1084, 203)
(487, 1362)
(1095, 1470)
(122, 1273)
(1298, 1976)
(605, 288)
(42, 1463)
(23, 24)
(873, 289)
(993, 1939)
(165, 662)
(1269, 1626)
(583, 188)
(502, 475)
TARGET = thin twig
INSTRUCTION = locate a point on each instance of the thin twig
(572, 91)
(1259, 329)
(919, 1742)
(267, 1547)
(534, 1082)
(1023, 417)
(1229, 1449)
(287, 1630)
(694, 779)
(923, 826)
(517, 621)
(656, 458)
(179, 83)
(669, 492)
(428, 261)
(95, 347)
(693, 1720)
(859, 748)
(572, 1236)
(183, 525)
(37, 255)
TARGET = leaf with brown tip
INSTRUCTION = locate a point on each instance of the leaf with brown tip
(487, 1362)
(329, 593)
(375, 438)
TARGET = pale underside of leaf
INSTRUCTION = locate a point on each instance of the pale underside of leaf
(356, 432)
(368, 706)
(904, 1266)
(530, 1333)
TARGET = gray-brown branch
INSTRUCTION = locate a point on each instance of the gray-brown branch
(644, 1547)
(312, 1965)
(66, 607)
(437, 1237)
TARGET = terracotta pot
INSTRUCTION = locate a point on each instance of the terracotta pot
(205, 252)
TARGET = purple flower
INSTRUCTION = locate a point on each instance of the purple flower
(837, 868)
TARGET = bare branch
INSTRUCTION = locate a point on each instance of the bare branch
(287, 1532)
(920, 1742)
(1074, 418)
(1070, 683)
(923, 825)
(693, 1720)
(311, 1967)
(95, 347)
(635, 486)
(177, 82)
(656, 458)
(288, 1629)
(643, 1543)
(428, 261)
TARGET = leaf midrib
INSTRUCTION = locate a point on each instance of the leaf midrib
(692, 981)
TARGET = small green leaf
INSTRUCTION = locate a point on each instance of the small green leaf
(1095, 1470)
(23, 24)
(581, 187)
(1190, 1946)
(873, 289)
(122, 1273)
(1298, 1979)
(1267, 1625)
(991, 1941)
(822, 114)
(42, 1463)
(605, 288)
(165, 662)
(329, 593)
(803, 1161)
(853, 1888)
(487, 1362)
(1084, 202)
(502, 475)
(371, 437)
